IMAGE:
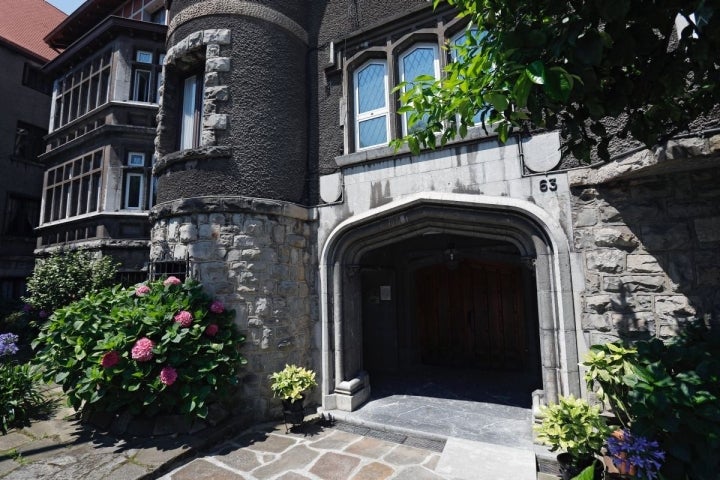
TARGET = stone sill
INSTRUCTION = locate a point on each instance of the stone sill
(189, 155)
(383, 153)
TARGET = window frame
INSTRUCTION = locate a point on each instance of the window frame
(190, 118)
(126, 190)
(401, 70)
(375, 113)
(130, 161)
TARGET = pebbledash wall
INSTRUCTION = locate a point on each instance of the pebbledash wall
(275, 213)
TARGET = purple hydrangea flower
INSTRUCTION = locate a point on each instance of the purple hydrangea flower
(7, 344)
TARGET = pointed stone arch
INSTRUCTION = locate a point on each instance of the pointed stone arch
(537, 236)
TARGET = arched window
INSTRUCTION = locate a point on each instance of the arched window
(461, 40)
(371, 104)
(420, 59)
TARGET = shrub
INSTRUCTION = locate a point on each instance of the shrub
(574, 426)
(65, 277)
(161, 347)
(18, 394)
(671, 393)
(291, 382)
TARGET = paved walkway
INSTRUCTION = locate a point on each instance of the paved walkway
(59, 447)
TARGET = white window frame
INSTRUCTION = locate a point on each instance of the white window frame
(148, 85)
(141, 54)
(141, 199)
(401, 68)
(191, 112)
(133, 157)
(376, 113)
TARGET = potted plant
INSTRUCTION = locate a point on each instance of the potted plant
(577, 428)
(632, 456)
(290, 384)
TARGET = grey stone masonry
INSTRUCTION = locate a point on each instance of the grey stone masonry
(258, 257)
(189, 51)
(650, 247)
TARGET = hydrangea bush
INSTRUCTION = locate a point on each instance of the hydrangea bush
(163, 347)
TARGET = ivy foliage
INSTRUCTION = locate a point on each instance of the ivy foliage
(571, 65)
(164, 347)
(67, 276)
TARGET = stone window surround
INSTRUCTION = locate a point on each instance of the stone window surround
(527, 226)
(215, 90)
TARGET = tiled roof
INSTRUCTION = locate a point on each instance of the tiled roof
(24, 23)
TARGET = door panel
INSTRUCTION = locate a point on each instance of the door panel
(471, 315)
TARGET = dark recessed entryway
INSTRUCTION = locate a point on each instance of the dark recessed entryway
(449, 316)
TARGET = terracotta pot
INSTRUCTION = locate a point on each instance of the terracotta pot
(624, 470)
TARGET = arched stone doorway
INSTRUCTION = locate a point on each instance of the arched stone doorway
(391, 276)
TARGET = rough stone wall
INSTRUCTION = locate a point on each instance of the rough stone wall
(259, 258)
(650, 251)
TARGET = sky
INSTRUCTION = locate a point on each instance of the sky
(67, 6)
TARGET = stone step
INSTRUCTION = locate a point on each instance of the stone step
(468, 460)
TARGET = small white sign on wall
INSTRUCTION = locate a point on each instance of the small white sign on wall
(385, 293)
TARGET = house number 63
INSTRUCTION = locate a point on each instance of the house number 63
(549, 184)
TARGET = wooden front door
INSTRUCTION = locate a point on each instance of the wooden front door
(471, 315)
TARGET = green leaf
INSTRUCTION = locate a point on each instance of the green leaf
(536, 72)
(498, 101)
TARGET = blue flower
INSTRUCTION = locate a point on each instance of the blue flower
(630, 450)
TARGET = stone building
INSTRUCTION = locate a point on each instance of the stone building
(23, 123)
(341, 254)
(98, 187)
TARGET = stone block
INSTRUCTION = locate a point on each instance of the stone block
(596, 322)
(597, 303)
(616, 237)
(634, 283)
(212, 50)
(643, 264)
(633, 323)
(707, 229)
(217, 64)
(674, 306)
(631, 303)
(666, 236)
(586, 217)
(221, 36)
(194, 40)
(250, 254)
(296, 241)
(608, 261)
(610, 214)
(188, 233)
(215, 121)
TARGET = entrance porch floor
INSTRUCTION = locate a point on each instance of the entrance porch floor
(470, 404)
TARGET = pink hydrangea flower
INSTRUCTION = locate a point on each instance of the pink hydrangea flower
(168, 375)
(142, 350)
(217, 307)
(172, 281)
(211, 330)
(110, 359)
(184, 318)
(142, 290)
